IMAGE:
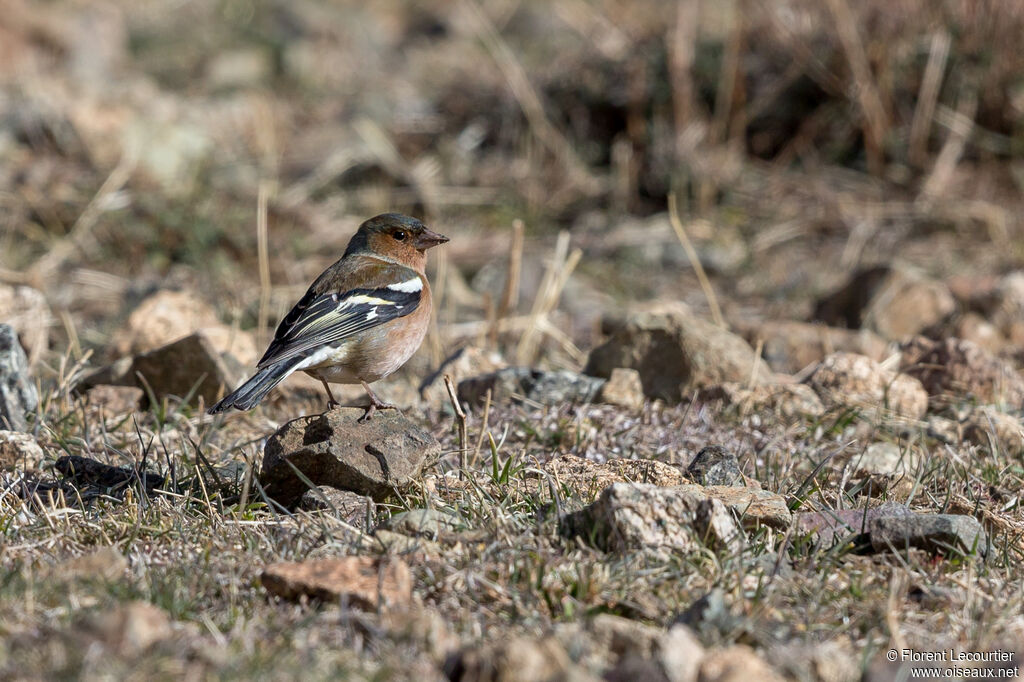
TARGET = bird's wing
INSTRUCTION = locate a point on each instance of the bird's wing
(333, 310)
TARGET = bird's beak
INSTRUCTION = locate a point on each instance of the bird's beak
(428, 239)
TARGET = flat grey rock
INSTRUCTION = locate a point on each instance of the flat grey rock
(18, 394)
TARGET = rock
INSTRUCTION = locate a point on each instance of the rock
(663, 521)
(19, 451)
(425, 627)
(586, 479)
(714, 465)
(623, 389)
(680, 653)
(791, 346)
(848, 380)
(936, 533)
(18, 395)
(352, 508)
(830, 526)
(891, 300)
(105, 563)
(737, 663)
(370, 458)
(976, 329)
(168, 316)
(362, 582)
(83, 471)
(954, 370)
(130, 629)
(188, 366)
(986, 426)
(238, 68)
(518, 383)
(753, 507)
(674, 353)
(115, 400)
(428, 523)
(25, 309)
(709, 614)
(787, 400)
(466, 362)
(881, 467)
(622, 636)
(519, 658)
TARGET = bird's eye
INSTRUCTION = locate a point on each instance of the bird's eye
(398, 234)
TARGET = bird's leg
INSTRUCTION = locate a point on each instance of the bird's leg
(331, 402)
(375, 403)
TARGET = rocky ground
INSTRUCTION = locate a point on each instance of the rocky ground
(725, 380)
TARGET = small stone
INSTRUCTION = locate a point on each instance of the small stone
(848, 380)
(894, 301)
(362, 582)
(18, 395)
(19, 451)
(830, 526)
(623, 389)
(466, 362)
(428, 523)
(105, 563)
(674, 352)
(391, 542)
(944, 430)
(935, 533)
(189, 366)
(954, 370)
(587, 479)
(737, 663)
(622, 636)
(987, 426)
(680, 654)
(352, 508)
(790, 346)
(371, 458)
(115, 400)
(25, 309)
(519, 658)
(884, 467)
(132, 628)
(425, 627)
(83, 471)
(754, 508)
(976, 329)
(787, 400)
(663, 521)
(714, 465)
(534, 385)
(708, 614)
(168, 316)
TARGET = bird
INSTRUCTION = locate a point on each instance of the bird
(360, 320)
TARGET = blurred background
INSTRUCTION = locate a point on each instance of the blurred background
(229, 148)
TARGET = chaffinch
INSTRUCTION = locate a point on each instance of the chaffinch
(361, 319)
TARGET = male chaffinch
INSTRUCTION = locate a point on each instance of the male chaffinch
(361, 319)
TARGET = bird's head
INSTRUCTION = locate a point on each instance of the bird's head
(395, 236)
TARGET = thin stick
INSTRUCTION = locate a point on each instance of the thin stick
(510, 296)
(691, 254)
(461, 416)
(483, 427)
(264, 260)
(927, 96)
(528, 99)
(876, 120)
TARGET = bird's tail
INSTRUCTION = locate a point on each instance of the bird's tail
(253, 391)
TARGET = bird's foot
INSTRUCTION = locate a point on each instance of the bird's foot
(373, 407)
(332, 405)
(375, 404)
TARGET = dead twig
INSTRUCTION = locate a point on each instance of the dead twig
(691, 254)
